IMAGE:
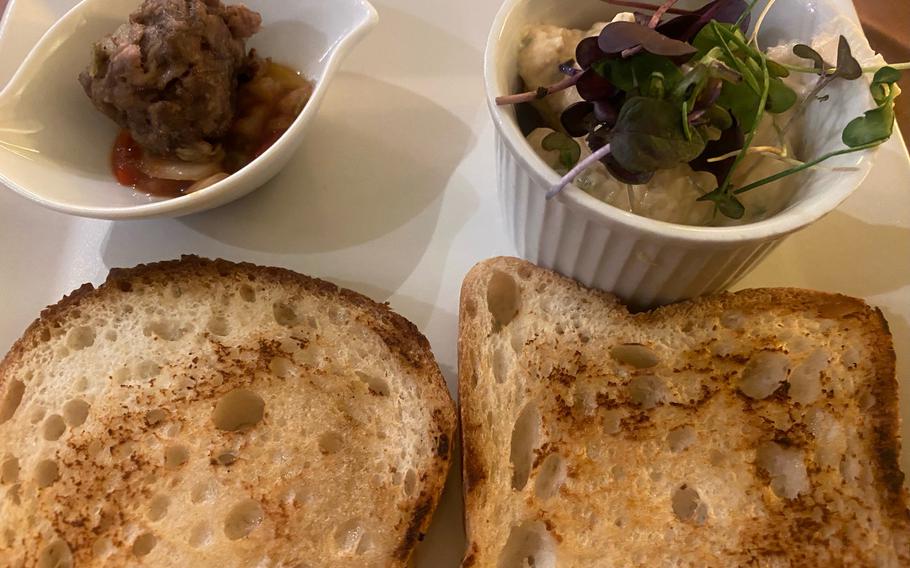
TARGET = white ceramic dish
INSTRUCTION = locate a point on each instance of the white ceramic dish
(644, 261)
(403, 218)
(55, 147)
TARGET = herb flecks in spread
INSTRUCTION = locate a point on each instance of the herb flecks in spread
(643, 96)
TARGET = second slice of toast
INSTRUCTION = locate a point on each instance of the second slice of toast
(748, 429)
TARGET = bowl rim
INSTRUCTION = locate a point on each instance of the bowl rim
(229, 188)
(792, 218)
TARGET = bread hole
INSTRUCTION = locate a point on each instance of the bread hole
(242, 519)
(524, 272)
(351, 537)
(217, 325)
(733, 319)
(525, 439)
(102, 547)
(786, 468)
(122, 451)
(237, 410)
(80, 384)
(280, 366)
(75, 412)
(470, 307)
(13, 494)
(503, 296)
(158, 507)
(284, 314)
(37, 415)
(202, 492)
(681, 438)
(44, 335)
(46, 473)
(53, 427)
(155, 416)
(80, 337)
(175, 456)
(838, 309)
(226, 458)
(376, 385)
(410, 482)
(764, 373)
(167, 330)
(529, 545)
(9, 471)
(613, 420)
(144, 544)
(110, 335)
(648, 391)
(200, 535)
(11, 400)
(550, 477)
(688, 505)
(247, 294)
(146, 370)
(634, 354)
(618, 472)
(330, 443)
(501, 362)
(55, 555)
(805, 380)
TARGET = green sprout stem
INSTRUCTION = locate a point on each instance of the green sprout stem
(806, 165)
(873, 69)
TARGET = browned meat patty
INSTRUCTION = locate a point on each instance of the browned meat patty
(170, 74)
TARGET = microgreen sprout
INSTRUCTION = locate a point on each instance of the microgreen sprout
(694, 89)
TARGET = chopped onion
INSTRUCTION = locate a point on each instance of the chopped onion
(204, 183)
(171, 168)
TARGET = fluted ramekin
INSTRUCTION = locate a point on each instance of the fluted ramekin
(643, 261)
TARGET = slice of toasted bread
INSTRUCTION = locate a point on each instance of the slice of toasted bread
(749, 429)
(206, 413)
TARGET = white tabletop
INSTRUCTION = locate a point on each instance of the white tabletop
(393, 195)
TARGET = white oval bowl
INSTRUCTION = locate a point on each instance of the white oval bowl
(644, 261)
(43, 108)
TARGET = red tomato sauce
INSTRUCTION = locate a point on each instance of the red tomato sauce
(125, 159)
(266, 107)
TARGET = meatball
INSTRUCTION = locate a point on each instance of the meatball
(170, 75)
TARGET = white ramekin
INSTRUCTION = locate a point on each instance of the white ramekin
(648, 262)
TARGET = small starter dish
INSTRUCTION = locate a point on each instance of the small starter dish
(55, 149)
(643, 260)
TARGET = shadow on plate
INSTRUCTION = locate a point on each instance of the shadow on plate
(363, 175)
(444, 544)
(825, 256)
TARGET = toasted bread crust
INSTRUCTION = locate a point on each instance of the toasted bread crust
(760, 543)
(404, 342)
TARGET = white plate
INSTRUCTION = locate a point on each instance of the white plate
(394, 195)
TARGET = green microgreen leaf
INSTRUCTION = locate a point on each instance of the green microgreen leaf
(875, 125)
(780, 97)
(847, 65)
(569, 150)
(649, 136)
(631, 73)
(726, 203)
(803, 51)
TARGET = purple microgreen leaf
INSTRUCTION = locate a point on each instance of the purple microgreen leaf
(578, 119)
(588, 52)
(605, 113)
(847, 65)
(593, 87)
(579, 167)
(730, 140)
(803, 51)
(618, 37)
